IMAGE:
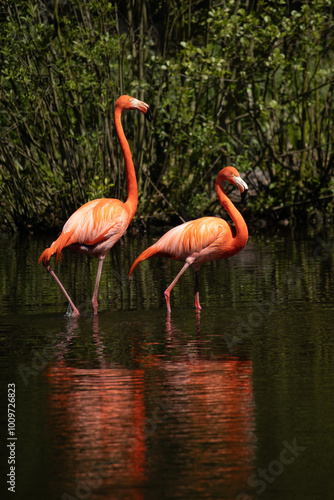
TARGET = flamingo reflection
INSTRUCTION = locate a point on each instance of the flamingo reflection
(109, 432)
(213, 400)
(98, 419)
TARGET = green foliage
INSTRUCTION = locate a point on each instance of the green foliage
(58, 82)
(229, 83)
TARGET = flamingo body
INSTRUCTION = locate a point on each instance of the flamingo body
(204, 239)
(200, 240)
(93, 229)
(98, 224)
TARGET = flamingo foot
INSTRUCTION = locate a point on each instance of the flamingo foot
(72, 311)
(198, 306)
(95, 305)
(167, 294)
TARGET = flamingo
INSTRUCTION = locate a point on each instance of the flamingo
(204, 239)
(97, 225)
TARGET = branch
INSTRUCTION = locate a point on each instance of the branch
(163, 196)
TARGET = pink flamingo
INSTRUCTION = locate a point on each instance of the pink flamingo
(96, 226)
(205, 239)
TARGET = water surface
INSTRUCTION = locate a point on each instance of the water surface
(233, 403)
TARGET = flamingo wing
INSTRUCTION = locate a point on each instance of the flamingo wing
(198, 240)
(98, 223)
(193, 237)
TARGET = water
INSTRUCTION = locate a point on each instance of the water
(234, 403)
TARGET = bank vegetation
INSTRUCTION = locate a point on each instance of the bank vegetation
(248, 84)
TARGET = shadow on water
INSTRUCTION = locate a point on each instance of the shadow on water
(232, 403)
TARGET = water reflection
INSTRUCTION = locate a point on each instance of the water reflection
(136, 404)
(97, 417)
(118, 428)
(268, 267)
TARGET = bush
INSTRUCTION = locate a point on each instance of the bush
(238, 84)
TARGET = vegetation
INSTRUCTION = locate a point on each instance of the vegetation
(243, 83)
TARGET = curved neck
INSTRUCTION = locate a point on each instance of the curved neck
(132, 198)
(241, 236)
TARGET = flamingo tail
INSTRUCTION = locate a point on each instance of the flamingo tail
(56, 248)
(146, 254)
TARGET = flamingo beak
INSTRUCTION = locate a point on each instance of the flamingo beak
(148, 114)
(243, 188)
(143, 107)
(244, 195)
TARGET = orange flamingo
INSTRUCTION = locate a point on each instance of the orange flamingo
(96, 226)
(205, 239)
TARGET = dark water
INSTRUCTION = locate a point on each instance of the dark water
(234, 403)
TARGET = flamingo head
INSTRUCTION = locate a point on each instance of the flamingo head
(128, 102)
(231, 175)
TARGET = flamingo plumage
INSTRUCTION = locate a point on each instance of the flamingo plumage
(97, 225)
(204, 239)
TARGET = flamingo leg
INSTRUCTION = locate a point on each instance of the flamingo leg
(171, 286)
(55, 277)
(198, 306)
(97, 284)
